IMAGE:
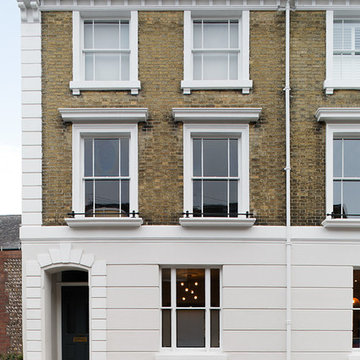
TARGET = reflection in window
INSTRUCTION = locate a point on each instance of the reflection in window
(106, 176)
(189, 307)
(215, 176)
(346, 177)
(356, 309)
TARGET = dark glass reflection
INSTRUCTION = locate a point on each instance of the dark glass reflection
(215, 198)
(215, 288)
(214, 328)
(233, 197)
(88, 151)
(89, 198)
(356, 307)
(197, 196)
(125, 201)
(124, 145)
(106, 197)
(337, 198)
(74, 276)
(190, 328)
(106, 154)
(166, 287)
(234, 161)
(166, 328)
(197, 163)
(215, 157)
(190, 287)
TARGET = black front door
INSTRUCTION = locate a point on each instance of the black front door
(75, 322)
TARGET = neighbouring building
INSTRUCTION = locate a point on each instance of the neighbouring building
(191, 179)
(10, 285)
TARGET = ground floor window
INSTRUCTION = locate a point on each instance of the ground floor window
(191, 307)
(356, 309)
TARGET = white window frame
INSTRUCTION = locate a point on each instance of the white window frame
(339, 122)
(183, 350)
(109, 122)
(330, 84)
(79, 83)
(222, 122)
(243, 82)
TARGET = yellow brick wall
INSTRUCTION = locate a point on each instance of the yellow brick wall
(160, 140)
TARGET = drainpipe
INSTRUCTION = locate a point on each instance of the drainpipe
(287, 172)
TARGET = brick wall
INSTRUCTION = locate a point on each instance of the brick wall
(10, 302)
(160, 140)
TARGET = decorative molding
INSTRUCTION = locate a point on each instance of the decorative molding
(216, 222)
(338, 115)
(210, 115)
(103, 222)
(103, 115)
(30, 10)
(341, 223)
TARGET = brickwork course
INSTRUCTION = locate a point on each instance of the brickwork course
(160, 139)
(10, 302)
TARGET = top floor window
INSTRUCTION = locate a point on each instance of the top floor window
(216, 52)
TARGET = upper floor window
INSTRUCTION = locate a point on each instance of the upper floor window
(216, 52)
(105, 53)
(342, 51)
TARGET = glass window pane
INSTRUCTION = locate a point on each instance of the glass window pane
(351, 157)
(124, 153)
(215, 157)
(337, 35)
(107, 67)
(125, 202)
(190, 287)
(215, 66)
(337, 197)
(234, 34)
(166, 287)
(89, 198)
(215, 328)
(197, 157)
(234, 161)
(166, 328)
(215, 35)
(233, 70)
(197, 196)
(88, 154)
(106, 152)
(124, 28)
(351, 190)
(215, 198)
(197, 35)
(197, 67)
(190, 328)
(125, 67)
(106, 35)
(233, 197)
(107, 197)
(356, 328)
(89, 66)
(88, 35)
(337, 155)
(215, 287)
(356, 287)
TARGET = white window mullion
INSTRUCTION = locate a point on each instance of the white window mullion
(173, 308)
(207, 309)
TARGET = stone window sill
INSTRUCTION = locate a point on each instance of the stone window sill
(244, 85)
(341, 224)
(77, 86)
(216, 222)
(331, 85)
(89, 222)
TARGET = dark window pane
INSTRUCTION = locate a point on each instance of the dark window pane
(106, 197)
(197, 196)
(337, 198)
(234, 161)
(124, 157)
(356, 293)
(356, 328)
(190, 326)
(88, 154)
(215, 157)
(190, 287)
(351, 191)
(197, 165)
(166, 328)
(166, 287)
(337, 155)
(74, 276)
(214, 328)
(233, 197)
(215, 288)
(351, 157)
(125, 208)
(89, 198)
(215, 198)
(106, 157)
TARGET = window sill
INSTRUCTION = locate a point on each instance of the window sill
(341, 224)
(86, 222)
(179, 355)
(331, 85)
(216, 221)
(77, 86)
(244, 85)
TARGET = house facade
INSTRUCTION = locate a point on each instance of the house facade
(190, 179)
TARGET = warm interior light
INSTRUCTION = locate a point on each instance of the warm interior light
(182, 284)
(186, 289)
(195, 297)
(183, 299)
(196, 283)
(192, 291)
(356, 301)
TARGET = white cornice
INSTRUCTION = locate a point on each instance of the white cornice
(30, 11)
(104, 115)
(338, 115)
(232, 115)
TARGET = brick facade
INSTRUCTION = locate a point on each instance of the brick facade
(10, 302)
